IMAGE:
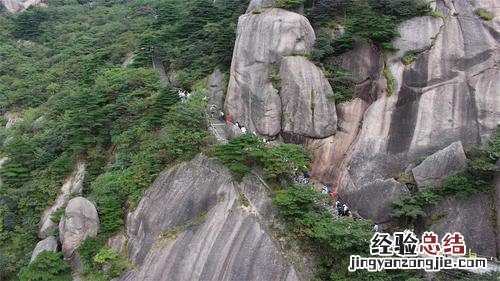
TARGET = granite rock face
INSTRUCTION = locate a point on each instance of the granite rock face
(47, 244)
(190, 226)
(80, 221)
(437, 167)
(307, 102)
(72, 185)
(472, 218)
(263, 41)
(496, 201)
(259, 4)
(18, 5)
(375, 199)
(215, 88)
(434, 102)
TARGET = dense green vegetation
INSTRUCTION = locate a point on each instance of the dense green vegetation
(371, 21)
(48, 266)
(61, 72)
(245, 152)
(334, 238)
(477, 177)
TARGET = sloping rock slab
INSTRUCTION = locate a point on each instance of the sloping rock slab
(471, 217)
(190, 226)
(435, 168)
(47, 244)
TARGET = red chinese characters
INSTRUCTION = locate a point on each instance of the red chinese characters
(429, 244)
(453, 244)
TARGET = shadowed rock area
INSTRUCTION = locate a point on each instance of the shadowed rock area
(471, 217)
(435, 168)
(190, 226)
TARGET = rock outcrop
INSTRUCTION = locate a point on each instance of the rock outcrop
(190, 226)
(216, 88)
(80, 221)
(306, 99)
(47, 244)
(437, 167)
(18, 5)
(375, 200)
(268, 54)
(471, 217)
(12, 119)
(72, 186)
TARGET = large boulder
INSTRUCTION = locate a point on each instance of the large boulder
(472, 217)
(216, 87)
(262, 41)
(437, 167)
(80, 221)
(307, 99)
(73, 185)
(374, 200)
(190, 225)
(47, 244)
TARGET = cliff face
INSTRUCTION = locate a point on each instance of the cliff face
(449, 93)
(190, 225)
(18, 5)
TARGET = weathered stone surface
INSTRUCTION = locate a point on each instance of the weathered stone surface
(232, 130)
(262, 41)
(374, 200)
(437, 167)
(18, 5)
(72, 185)
(472, 218)
(190, 226)
(216, 87)
(3, 160)
(496, 194)
(118, 242)
(447, 94)
(364, 61)
(329, 153)
(47, 244)
(307, 102)
(80, 221)
(258, 4)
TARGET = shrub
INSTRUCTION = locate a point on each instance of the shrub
(401, 9)
(484, 14)
(116, 262)
(373, 27)
(289, 4)
(390, 81)
(281, 160)
(409, 206)
(409, 57)
(57, 215)
(240, 154)
(48, 266)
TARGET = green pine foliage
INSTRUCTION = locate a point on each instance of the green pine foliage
(61, 70)
(48, 266)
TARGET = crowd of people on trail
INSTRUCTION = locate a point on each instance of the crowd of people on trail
(215, 113)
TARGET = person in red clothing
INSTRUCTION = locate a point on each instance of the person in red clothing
(331, 196)
(229, 118)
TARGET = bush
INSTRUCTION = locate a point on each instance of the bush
(117, 262)
(281, 160)
(48, 266)
(484, 14)
(390, 81)
(409, 206)
(240, 154)
(401, 9)
(409, 57)
(289, 4)
(373, 27)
